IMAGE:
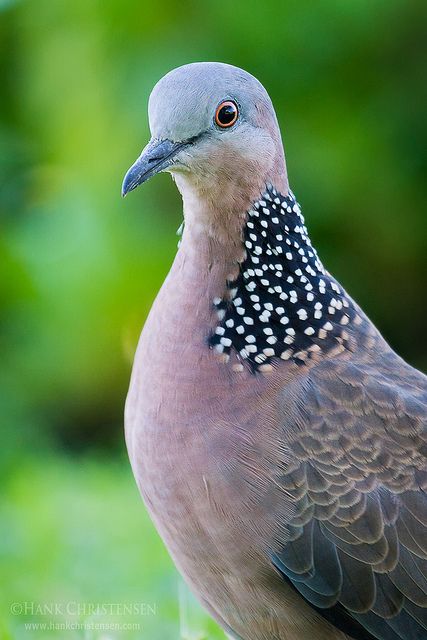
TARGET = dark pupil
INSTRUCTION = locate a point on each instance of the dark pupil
(226, 114)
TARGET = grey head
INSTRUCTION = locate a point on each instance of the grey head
(214, 129)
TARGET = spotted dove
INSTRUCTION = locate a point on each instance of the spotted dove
(278, 441)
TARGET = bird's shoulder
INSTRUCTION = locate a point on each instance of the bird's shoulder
(363, 418)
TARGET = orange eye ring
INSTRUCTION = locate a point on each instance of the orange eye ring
(226, 114)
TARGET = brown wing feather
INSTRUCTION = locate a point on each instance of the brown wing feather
(358, 439)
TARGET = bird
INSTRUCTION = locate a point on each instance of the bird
(278, 441)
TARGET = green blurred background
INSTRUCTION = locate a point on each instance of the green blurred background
(80, 267)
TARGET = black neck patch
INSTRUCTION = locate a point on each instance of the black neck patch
(283, 304)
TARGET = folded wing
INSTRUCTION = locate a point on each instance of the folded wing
(357, 546)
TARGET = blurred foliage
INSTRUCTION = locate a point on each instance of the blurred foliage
(76, 537)
(80, 267)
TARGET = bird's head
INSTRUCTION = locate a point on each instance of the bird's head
(214, 129)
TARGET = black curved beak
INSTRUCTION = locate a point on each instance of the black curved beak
(157, 155)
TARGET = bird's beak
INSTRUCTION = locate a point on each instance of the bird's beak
(157, 155)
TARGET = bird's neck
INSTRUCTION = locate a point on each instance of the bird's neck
(273, 298)
(216, 201)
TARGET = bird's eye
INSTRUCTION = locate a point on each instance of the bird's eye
(226, 114)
